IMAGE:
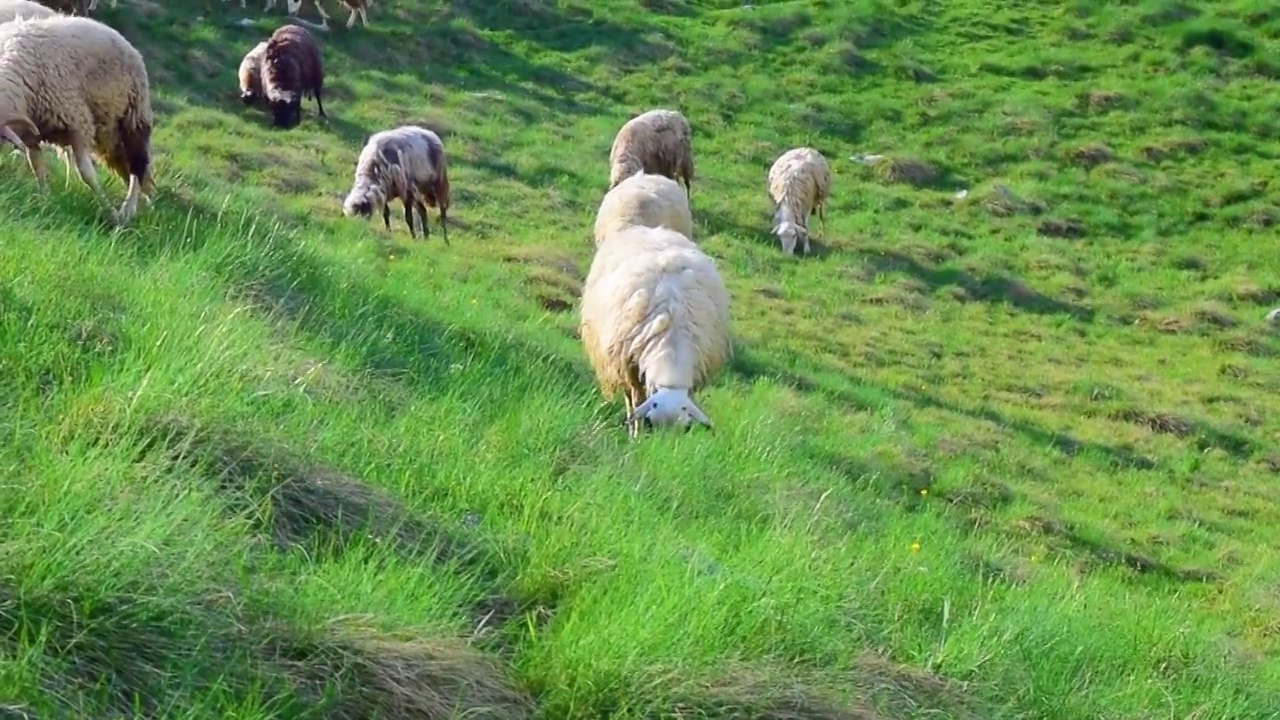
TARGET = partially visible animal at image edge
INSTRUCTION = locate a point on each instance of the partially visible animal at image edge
(292, 67)
(658, 141)
(79, 84)
(654, 322)
(799, 185)
(357, 8)
(407, 162)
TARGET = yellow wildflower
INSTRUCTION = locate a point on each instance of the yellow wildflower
(915, 547)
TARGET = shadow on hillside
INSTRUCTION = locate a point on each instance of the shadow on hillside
(460, 60)
(560, 29)
(987, 288)
(750, 366)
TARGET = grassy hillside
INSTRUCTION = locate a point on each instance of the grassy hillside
(1010, 454)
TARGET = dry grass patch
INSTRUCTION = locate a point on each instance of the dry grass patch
(1069, 228)
(905, 171)
(1090, 155)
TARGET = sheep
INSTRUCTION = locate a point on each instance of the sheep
(799, 185)
(655, 324)
(25, 9)
(647, 200)
(291, 67)
(250, 74)
(657, 141)
(79, 84)
(406, 162)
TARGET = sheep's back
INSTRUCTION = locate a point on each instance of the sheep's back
(644, 199)
(291, 61)
(801, 175)
(660, 134)
(26, 9)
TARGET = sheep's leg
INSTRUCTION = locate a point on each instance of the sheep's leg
(272, 3)
(444, 223)
(35, 159)
(422, 213)
(352, 19)
(84, 164)
(407, 201)
(319, 102)
(324, 16)
(364, 17)
(386, 215)
(822, 218)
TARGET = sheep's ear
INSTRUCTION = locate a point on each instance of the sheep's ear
(20, 125)
(696, 413)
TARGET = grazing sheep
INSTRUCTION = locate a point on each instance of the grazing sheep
(646, 200)
(250, 74)
(657, 141)
(655, 324)
(799, 185)
(25, 9)
(79, 84)
(355, 7)
(291, 67)
(407, 162)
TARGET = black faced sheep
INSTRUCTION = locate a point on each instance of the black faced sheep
(291, 67)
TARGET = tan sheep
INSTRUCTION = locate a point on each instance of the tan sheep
(646, 200)
(79, 84)
(406, 162)
(799, 186)
(657, 141)
(250, 74)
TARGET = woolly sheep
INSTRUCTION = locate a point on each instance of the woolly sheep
(407, 162)
(79, 84)
(291, 68)
(647, 200)
(655, 324)
(250, 74)
(657, 141)
(25, 9)
(355, 7)
(799, 185)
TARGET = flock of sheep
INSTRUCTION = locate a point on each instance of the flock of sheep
(655, 311)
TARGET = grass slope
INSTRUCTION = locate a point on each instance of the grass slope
(1005, 456)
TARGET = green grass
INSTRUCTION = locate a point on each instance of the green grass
(1006, 456)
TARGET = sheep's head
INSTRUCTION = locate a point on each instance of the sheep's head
(286, 109)
(670, 407)
(363, 202)
(791, 234)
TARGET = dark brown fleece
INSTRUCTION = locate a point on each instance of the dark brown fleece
(292, 64)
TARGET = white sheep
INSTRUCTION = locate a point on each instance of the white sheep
(657, 141)
(655, 324)
(799, 185)
(647, 200)
(407, 162)
(79, 84)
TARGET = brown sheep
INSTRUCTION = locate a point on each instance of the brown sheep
(658, 142)
(291, 68)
